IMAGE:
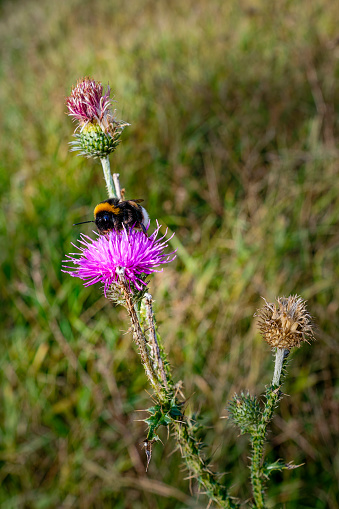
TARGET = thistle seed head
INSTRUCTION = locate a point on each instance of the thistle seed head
(287, 323)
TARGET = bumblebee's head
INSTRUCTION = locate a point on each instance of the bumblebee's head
(104, 221)
(105, 214)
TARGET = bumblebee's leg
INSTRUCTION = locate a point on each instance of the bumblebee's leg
(143, 229)
(117, 225)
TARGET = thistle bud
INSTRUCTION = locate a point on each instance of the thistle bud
(244, 411)
(100, 131)
(286, 324)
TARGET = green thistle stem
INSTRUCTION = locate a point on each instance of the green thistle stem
(198, 467)
(158, 363)
(258, 437)
(139, 337)
(108, 177)
(117, 185)
(257, 441)
(184, 432)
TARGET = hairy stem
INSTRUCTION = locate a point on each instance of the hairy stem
(159, 365)
(257, 441)
(199, 469)
(280, 356)
(258, 437)
(138, 336)
(117, 185)
(184, 430)
(108, 177)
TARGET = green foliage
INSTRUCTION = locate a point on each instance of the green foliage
(277, 465)
(160, 416)
(233, 145)
(245, 411)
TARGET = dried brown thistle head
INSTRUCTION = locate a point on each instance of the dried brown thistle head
(287, 323)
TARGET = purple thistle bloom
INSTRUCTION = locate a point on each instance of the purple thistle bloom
(87, 104)
(99, 259)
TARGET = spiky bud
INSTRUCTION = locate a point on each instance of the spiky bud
(93, 142)
(285, 324)
(244, 411)
(100, 131)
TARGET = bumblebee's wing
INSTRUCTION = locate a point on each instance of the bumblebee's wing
(139, 200)
(132, 203)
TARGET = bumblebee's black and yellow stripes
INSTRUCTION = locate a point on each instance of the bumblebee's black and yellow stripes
(113, 214)
(105, 206)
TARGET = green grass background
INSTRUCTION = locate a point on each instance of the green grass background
(233, 145)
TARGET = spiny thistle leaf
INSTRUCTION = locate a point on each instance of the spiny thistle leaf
(279, 465)
(147, 445)
(152, 421)
(165, 420)
(153, 409)
(175, 412)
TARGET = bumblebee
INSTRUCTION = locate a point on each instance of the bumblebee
(114, 214)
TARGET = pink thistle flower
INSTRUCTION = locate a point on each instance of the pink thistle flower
(87, 104)
(99, 259)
